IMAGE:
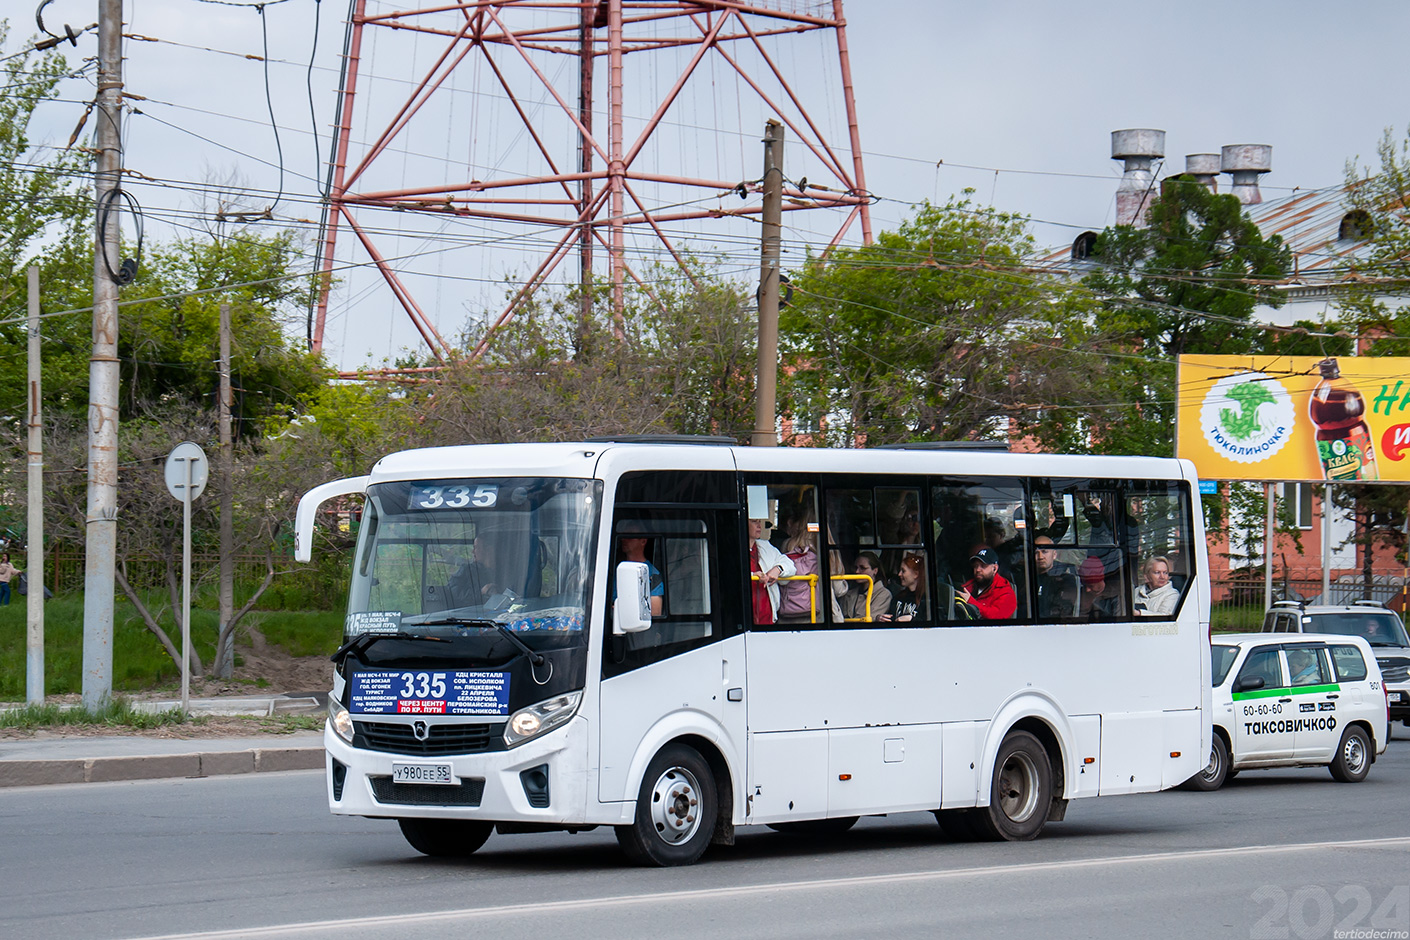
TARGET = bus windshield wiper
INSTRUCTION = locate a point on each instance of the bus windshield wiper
(363, 640)
(534, 657)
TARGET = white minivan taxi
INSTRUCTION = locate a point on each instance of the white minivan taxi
(1294, 701)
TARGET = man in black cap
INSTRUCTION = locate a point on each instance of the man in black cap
(988, 590)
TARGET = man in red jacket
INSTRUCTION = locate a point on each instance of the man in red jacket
(988, 590)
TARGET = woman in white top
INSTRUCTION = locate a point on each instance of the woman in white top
(1157, 597)
(767, 564)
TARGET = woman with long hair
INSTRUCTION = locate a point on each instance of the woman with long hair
(854, 602)
(909, 602)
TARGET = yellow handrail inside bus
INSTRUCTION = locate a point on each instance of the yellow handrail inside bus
(812, 580)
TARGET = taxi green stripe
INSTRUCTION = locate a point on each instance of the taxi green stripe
(1300, 690)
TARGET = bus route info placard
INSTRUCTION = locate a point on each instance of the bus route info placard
(421, 692)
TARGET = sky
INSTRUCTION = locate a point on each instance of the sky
(1014, 99)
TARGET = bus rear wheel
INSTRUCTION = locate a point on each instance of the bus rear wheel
(1021, 792)
(675, 810)
(445, 838)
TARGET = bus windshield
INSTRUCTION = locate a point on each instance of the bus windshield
(475, 557)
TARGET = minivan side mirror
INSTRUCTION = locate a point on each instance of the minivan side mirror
(1248, 683)
(631, 611)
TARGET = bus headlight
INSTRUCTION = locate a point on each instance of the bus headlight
(339, 718)
(533, 721)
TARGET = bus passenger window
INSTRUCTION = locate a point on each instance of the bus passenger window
(871, 532)
(1156, 538)
(981, 547)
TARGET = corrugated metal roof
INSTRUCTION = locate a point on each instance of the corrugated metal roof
(1309, 222)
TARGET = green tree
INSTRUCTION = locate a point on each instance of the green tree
(169, 346)
(684, 364)
(44, 212)
(1189, 282)
(937, 331)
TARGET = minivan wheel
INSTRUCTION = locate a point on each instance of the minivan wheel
(1214, 774)
(1353, 759)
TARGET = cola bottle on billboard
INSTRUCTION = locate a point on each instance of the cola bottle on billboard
(1344, 440)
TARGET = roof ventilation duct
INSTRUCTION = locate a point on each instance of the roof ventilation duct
(1205, 168)
(1245, 163)
(1138, 147)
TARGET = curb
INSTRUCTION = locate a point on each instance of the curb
(30, 773)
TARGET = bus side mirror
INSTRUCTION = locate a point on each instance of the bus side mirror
(1248, 683)
(631, 611)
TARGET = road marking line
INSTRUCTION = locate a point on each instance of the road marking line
(404, 921)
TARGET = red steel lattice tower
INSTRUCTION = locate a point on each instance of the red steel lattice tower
(585, 195)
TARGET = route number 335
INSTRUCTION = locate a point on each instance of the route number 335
(1313, 911)
(454, 496)
(423, 685)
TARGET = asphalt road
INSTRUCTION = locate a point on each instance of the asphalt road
(1276, 854)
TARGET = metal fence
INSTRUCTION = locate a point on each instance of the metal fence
(1239, 601)
(64, 570)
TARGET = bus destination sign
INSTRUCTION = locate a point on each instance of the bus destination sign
(452, 692)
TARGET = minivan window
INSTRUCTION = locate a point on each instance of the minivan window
(1223, 658)
(1349, 664)
(1380, 628)
(1307, 667)
(1264, 664)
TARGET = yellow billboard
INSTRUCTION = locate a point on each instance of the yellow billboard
(1343, 419)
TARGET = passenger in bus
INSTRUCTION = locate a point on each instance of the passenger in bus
(1056, 581)
(1094, 605)
(802, 601)
(632, 547)
(988, 590)
(1157, 597)
(766, 565)
(854, 602)
(908, 602)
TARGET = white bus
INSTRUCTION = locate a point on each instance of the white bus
(563, 636)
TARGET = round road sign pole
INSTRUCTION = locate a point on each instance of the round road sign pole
(186, 589)
(186, 472)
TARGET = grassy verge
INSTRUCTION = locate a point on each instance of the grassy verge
(1236, 619)
(301, 632)
(119, 714)
(115, 714)
(139, 660)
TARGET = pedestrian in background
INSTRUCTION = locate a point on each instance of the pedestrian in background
(7, 571)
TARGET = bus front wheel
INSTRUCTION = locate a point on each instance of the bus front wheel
(676, 809)
(445, 838)
(1021, 792)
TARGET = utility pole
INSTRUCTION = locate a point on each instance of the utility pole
(225, 648)
(100, 543)
(34, 531)
(766, 384)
